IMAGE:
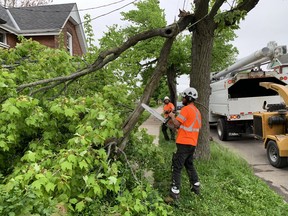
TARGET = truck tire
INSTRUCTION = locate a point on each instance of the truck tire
(273, 155)
(222, 129)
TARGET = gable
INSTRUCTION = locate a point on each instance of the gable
(4, 15)
(48, 17)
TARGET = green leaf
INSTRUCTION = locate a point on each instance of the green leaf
(29, 156)
(88, 199)
(83, 153)
(2, 85)
(101, 116)
(50, 186)
(80, 206)
(83, 164)
(73, 201)
(66, 166)
(13, 110)
(72, 158)
(69, 112)
(112, 180)
(56, 109)
(97, 190)
(85, 178)
(4, 146)
(38, 183)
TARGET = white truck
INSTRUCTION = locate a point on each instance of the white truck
(236, 94)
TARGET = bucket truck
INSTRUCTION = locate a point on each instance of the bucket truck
(236, 94)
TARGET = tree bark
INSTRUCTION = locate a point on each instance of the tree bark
(202, 45)
(171, 80)
(199, 78)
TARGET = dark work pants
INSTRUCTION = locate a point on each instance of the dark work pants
(183, 158)
(164, 131)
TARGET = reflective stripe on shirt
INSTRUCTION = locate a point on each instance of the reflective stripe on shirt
(191, 127)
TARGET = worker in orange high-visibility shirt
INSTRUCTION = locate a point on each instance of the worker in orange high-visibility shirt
(168, 108)
(188, 123)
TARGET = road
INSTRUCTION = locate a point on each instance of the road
(253, 152)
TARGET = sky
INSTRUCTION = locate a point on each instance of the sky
(265, 23)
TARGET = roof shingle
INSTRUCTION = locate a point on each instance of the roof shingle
(41, 17)
(4, 16)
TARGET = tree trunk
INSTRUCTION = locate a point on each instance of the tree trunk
(150, 87)
(202, 45)
(171, 79)
(200, 79)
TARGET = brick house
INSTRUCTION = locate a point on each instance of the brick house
(48, 24)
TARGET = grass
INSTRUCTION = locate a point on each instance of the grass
(228, 186)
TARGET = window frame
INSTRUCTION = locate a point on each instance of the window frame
(69, 43)
(4, 42)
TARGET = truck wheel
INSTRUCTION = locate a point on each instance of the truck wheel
(273, 155)
(222, 129)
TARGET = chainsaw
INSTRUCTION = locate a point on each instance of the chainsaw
(158, 116)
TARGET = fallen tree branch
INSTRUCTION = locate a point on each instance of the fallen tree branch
(148, 91)
(109, 55)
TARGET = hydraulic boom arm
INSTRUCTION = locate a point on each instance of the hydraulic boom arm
(264, 55)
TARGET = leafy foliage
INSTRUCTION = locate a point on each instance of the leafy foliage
(231, 19)
(57, 151)
(136, 65)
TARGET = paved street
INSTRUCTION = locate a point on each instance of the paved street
(153, 126)
(254, 153)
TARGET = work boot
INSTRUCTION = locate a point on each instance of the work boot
(195, 188)
(174, 195)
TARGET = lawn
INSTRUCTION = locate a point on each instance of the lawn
(229, 186)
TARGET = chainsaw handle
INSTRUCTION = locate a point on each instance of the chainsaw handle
(167, 119)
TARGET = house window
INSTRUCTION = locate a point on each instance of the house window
(3, 40)
(2, 37)
(69, 43)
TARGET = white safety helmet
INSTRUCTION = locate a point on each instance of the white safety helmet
(166, 98)
(190, 92)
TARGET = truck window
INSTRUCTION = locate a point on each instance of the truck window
(250, 88)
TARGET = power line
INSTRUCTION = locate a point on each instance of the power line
(99, 15)
(184, 4)
(107, 5)
(36, 8)
(92, 8)
(110, 11)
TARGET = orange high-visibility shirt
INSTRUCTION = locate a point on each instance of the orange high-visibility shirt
(168, 108)
(190, 119)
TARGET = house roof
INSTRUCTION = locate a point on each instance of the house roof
(42, 20)
(41, 17)
(4, 15)
(2, 21)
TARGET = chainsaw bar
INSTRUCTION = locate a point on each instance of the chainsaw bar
(155, 113)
